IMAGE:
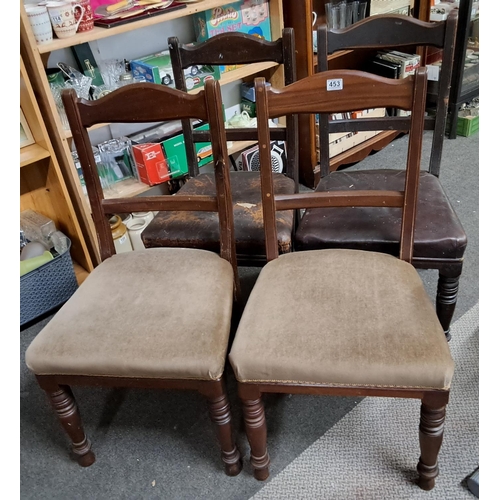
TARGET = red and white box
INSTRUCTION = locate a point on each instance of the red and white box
(151, 163)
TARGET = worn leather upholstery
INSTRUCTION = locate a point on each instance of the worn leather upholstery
(201, 229)
(117, 324)
(438, 231)
(341, 317)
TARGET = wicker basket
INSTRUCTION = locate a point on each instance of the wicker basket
(47, 287)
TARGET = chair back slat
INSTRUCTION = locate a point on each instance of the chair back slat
(389, 32)
(356, 90)
(146, 103)
(359, 90)
(235, 49)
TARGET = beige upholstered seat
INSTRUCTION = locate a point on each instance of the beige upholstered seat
(341, 317)
(118, 324)
(158, 318)
(343, 322)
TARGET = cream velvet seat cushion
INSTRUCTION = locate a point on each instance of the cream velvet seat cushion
(341, 317)
(162, 313)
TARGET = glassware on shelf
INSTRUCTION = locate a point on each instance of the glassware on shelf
(38, 227)
(117, 158)
(332, 16)
(101, 170)
(111, 70)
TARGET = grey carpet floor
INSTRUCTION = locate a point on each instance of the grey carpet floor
(153, 444)
(371, 453)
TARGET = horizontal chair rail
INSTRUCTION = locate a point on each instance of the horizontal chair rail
(361, 198)
(216, 52)
(241, 134)
(253, 388)
(401, 124)
(392, 31)
(201, 203)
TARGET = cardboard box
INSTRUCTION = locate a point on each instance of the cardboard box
(151, 163)
(175, 153)
(157, 68)
(247, 91)
(244, 16)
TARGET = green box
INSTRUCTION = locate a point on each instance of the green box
(175, 153)
(467, 125)
(157, 68)
(249, 107)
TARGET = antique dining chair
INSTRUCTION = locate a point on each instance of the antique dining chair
(440, 240)
(155, 318)
(170, 228)
(346, 322)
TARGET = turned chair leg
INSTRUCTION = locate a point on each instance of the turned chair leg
(220, 415)
(431, 437)
(446, 300)
(256, 430)
(64, 404)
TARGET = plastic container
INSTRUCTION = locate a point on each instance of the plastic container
(47, 287)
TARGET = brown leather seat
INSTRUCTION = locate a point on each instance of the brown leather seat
(438, 231)
(201, 229)
(440, 240)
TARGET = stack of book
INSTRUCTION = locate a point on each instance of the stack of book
(342, 141)
(394, 64)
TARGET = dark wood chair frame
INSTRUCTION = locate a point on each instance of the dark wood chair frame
(402, 31)
(144, 103)
(310, 96)
(234, 49)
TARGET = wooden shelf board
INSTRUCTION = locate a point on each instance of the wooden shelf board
(80, 273)
(238, 146)
(32, 153)
(335, 55)
(98, 33)
(68, 134)
(239, 73)
(126, 189)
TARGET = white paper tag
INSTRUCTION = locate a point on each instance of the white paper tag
(335, 84)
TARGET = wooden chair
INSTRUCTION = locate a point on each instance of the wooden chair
(346, 322)
(156, 318)
(170, 229)
(440, 240)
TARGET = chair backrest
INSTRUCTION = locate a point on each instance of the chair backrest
(148, 103)
(388, 32)
(341, 91)
(234, 49)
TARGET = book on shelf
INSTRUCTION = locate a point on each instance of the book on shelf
(339, 142)
(394, 64)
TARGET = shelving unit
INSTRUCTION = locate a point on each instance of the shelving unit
(465, 80)
(298, 15)
(36, 57)
(42, 186)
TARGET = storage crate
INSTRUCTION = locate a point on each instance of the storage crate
(467, 125)
(47, 287)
